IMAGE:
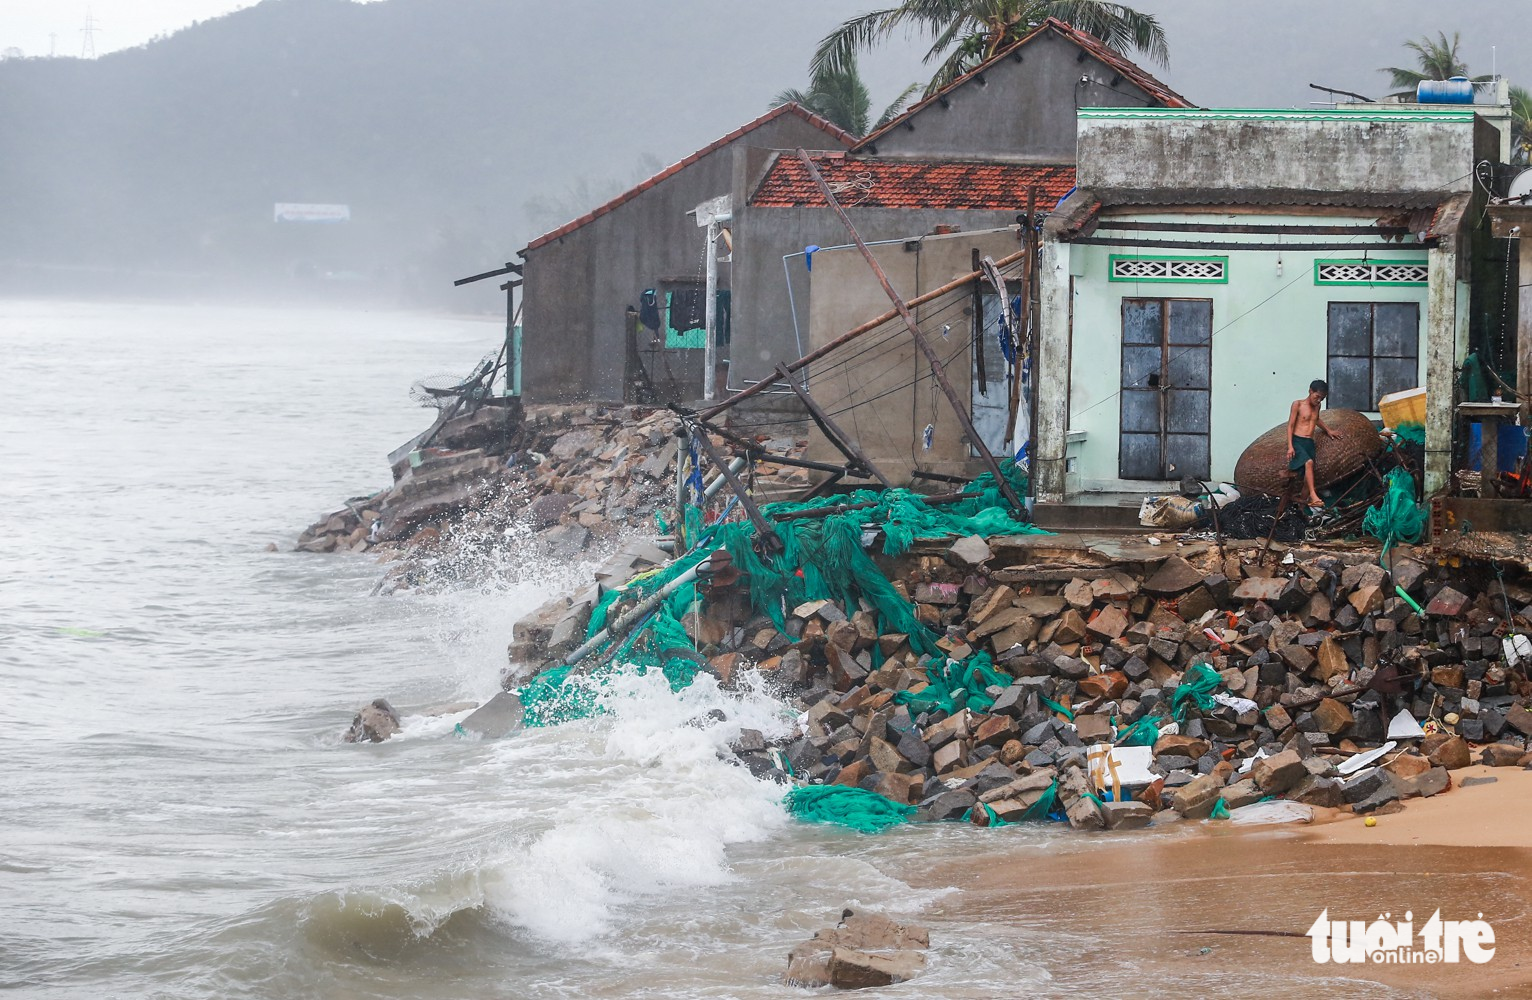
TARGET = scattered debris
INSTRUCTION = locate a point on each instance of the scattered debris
(559, 480)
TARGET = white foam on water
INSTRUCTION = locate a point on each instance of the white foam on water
(659, 821)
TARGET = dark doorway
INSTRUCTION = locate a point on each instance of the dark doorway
(1167, 364)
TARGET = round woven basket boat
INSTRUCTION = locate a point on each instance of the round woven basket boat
(1263, 466)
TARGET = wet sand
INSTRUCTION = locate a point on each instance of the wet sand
(1164, 900)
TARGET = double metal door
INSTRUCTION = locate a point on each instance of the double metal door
(1167, 365)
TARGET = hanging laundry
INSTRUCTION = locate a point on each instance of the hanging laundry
(688, 309)
(649, 309)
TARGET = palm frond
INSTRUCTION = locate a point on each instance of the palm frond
(839, 48)
(1119, 26)
(896, 109)
(791, 96)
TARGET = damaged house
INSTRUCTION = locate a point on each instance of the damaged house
(630, 273)
(932, 191)
(1212, 263)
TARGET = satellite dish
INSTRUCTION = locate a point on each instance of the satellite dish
(1520, 190)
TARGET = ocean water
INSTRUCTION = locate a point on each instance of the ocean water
(179, 817)
(178, 814)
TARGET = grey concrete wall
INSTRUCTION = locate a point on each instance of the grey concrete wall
(763, 320)
(1023, 111)
(577, 286)
(1275, 151)
(890, 414)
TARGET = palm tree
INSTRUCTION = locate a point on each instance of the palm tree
(840, 96)
(1521, 124)
(964, 33)
(1436, 60)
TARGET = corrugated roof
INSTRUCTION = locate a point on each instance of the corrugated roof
(863, 182)
(1130, 70)
(830, 129)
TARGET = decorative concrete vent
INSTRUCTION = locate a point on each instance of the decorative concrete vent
(1369, 272)
(1206, 270)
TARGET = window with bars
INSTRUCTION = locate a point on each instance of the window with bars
(1204, 270)
(1374, 349)
(1371, 272)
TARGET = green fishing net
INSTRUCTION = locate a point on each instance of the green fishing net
(1196, 688)
(1397, 517)
(955, 685)
(1142, 733)
(822, 558)
(1411, 432)
(857, 808)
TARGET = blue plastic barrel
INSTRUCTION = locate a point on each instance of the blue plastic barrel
(1458, 90)
(1513, 446)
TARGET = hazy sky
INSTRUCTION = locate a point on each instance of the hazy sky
(1223, 52)
(26, 24)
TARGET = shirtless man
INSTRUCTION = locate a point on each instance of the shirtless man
(1302, 422)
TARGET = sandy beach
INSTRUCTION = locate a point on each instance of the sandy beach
(1213, 909)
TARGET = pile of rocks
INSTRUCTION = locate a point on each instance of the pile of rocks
(1318, 659)
(865, 949)
(563, 478)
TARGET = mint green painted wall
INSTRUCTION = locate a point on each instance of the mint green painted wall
(1269, 334)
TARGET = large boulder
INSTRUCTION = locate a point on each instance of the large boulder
(500, 716)
(374, 723)
(864, 950)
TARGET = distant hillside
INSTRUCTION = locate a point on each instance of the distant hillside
(442, 123)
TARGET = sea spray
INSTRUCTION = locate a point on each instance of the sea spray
(660, 819)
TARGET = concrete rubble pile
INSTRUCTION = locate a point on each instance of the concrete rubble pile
(570, 476)
(1319, 660)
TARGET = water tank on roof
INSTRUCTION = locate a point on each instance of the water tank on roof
(1458, 90)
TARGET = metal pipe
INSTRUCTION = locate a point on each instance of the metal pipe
(631, 617)
(719, 480)
(710, 314)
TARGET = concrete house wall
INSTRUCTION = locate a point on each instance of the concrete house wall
(879, 369)
(578, 282)
(764, 332)
(1270, 336)
(1020, 108)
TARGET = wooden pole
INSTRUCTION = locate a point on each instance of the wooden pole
(938, 372)
(796, 366)
(764, 531)
(1024, 318)
(833, 431)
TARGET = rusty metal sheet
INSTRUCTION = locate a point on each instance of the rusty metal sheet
(1263, 466)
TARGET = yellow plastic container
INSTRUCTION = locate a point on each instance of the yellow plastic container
(1405, 407)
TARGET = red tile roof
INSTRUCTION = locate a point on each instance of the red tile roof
(860, 182)
(1130, 70)
(831, 130)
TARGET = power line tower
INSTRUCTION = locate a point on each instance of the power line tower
(53, 44)
(88, 35)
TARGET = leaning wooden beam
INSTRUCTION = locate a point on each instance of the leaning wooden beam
(833, 431)
(938, 372)
(820, 352)
(764, 531)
